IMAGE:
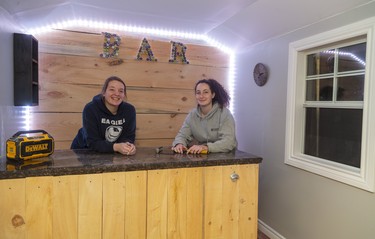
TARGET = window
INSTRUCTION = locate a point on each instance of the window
(330, 124)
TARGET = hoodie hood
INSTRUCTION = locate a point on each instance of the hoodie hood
(215, 108)
(98, 101)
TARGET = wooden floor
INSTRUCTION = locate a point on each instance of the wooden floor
(261, 235)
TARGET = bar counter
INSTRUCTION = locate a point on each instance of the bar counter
(72, 162)
(81, 194)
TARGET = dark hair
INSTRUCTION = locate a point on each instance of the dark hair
(112, 78)
(221, 95)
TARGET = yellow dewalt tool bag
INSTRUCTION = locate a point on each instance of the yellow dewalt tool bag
(25, 145)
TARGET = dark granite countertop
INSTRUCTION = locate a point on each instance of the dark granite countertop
(72, 162)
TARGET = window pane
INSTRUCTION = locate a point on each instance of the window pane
(320, 63)
(319, 90)
(350, 88)
(352, 57)
(334, 134)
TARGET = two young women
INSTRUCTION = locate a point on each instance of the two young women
(109, 122)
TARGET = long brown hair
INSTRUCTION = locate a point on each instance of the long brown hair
(221, 95)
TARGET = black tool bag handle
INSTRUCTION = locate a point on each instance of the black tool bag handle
(29, 132)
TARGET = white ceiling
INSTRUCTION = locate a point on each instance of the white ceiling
(239, 23)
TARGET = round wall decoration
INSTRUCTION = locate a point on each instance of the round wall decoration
(260, 74)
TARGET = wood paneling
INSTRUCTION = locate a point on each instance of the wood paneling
(152, 129)
(65, 207)
(113, 205)
(135, 201)
(13, 208)
(90, 206)
(169, 203)
(39, 207)
(71, 72)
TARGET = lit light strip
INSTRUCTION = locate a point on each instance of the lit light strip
(342, 53)
(231, 80)
(150, 31)
(131, 29)
(27, 118)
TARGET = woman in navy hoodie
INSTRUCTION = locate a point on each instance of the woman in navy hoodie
(108, 121)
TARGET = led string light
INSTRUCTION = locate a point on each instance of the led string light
(149, 31)
(342, 53)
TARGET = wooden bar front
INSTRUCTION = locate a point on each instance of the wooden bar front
(89, 196)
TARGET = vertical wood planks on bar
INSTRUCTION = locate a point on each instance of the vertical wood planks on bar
(213, 202)
(135, 204)
(113, 205)
(157, 195)
(248, 218)
(176, 209)
(194, 202)
(90, 206)
(230, 202)
(39, 207)
(181, 203)
(12, 208)
(65, 207)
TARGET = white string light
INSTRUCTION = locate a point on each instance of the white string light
(150, 31)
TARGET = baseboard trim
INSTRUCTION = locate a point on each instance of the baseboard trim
(269, 231)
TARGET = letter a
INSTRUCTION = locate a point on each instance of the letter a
(145, 49)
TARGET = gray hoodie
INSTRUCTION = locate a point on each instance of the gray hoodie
(216, 130)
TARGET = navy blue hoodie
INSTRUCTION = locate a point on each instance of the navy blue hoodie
(101, 129)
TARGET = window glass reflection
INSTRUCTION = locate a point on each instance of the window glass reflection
(334, 134)
(350, 88)
(319, 90)
(352, 57)
(320, 63)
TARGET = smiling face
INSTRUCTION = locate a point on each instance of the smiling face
(204, 95)
(114, 94)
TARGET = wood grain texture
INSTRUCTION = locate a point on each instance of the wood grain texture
(13, 208)
(90, 207)
(169, 203)
(152, 129)
(39, 207)
(93, 70)
(113, 205)
(65, 207)
(135, 201)
(230, 203)
(194, 203)
(213, 205)
(157, 204)
(89, 43)
(176, 209)
(248, 203)
(71, 72)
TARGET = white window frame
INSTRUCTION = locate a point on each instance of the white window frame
(362, 177)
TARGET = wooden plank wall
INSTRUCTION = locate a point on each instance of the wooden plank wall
(71, 72)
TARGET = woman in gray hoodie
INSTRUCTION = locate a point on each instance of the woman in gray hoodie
(209, 127)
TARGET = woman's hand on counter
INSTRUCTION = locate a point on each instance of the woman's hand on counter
(198, 149)
(179, 148)
(195, 149)
(125, 148)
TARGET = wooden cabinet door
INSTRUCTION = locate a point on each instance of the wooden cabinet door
(231, 206)
(203, 202)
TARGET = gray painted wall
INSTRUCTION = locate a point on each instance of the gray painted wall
(295, 203)
(10, 116)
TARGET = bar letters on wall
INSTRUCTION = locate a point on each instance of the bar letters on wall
(112, 42)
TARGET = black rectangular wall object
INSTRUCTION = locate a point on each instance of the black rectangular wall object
(25, 60)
